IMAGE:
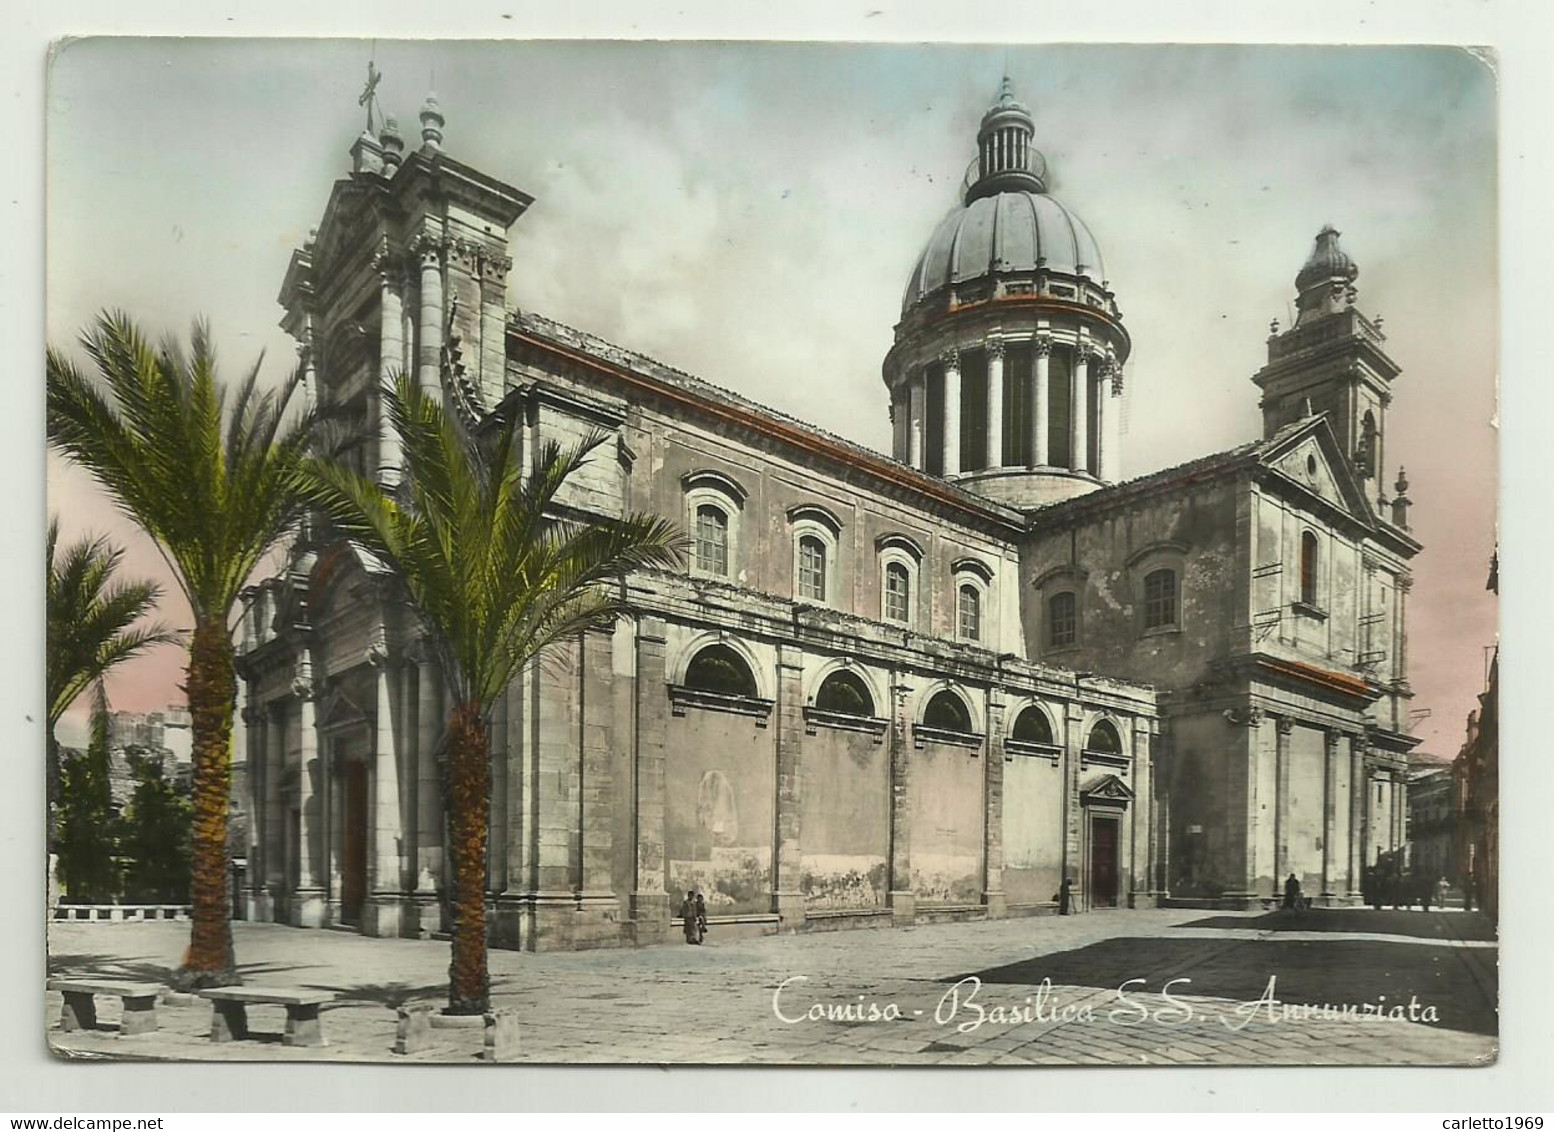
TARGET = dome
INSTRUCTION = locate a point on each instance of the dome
(1327, 261)
(1004, 233)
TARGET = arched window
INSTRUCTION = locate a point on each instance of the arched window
(1062, 620)
(718, 668)
(1104, 738)
(1308, 568)
(1031, 726)
(812, 569)
(1160, 599)
(846, 693)
(947, 712)
(898, 592)
(712, 540)
(968, 612)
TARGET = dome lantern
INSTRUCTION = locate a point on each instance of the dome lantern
(1006, 158)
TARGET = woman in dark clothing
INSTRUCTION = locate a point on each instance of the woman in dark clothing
(701, 917)
(691, 920)
(1292, 893)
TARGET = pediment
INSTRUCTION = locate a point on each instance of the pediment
(338, 711)
(1106, 789)
(1307, 458)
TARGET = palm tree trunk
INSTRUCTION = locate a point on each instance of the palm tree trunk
(212, 691)
(469, 822)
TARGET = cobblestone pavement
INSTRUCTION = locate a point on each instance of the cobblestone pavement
(1009, 992)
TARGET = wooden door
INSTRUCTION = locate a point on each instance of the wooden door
(353, 851)
(1103, 862)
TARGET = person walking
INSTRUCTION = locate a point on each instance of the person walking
(688, 915)
(1065, 897)
(701, 917)
(1292, 894)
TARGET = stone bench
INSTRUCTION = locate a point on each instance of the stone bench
(80, 1009)
(229, 1021)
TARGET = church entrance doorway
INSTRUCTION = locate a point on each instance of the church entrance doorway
(1103, 862)
(353, 851)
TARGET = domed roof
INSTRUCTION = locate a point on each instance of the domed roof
(1016, 231)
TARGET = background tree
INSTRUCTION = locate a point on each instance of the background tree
(91, 620)
(497, 576)
(87, 816)
(154, 834)
(213, 475)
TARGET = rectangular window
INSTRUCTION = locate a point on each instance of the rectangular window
(1160, 599)
(969, 606)
(712, 541)
(898, 593)
(1062, 621)
(812, 569)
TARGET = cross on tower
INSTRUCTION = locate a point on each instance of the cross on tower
(369, 95)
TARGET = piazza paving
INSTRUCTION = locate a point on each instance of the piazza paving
(1164, 986)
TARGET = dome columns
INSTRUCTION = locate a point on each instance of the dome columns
(1002, 405)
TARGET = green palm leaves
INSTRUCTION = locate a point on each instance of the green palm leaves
(495, 568)
(91, 618)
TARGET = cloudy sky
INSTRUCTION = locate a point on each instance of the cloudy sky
(750, 213)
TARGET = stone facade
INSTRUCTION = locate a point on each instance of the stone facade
(851, 707)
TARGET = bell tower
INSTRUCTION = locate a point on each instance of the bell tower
(1333, 361)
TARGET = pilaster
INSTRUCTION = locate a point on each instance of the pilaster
(309, 897)
(787, 885)
(902, 897)
(1073, 811)
(993, 809)
(383, 911)
(1330, 863)
(1281, 821)
(1141, 866)
(650, 897)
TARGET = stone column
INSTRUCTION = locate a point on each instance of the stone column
(1329, 814)
(1281, 816)
(391, 355)
(650, 894)
(1040, 401)
(1079, 411)
(951, 360)
(310, 839)
(903, 897)
(787, 856)
(916, 398)
(993, 809)
(382, 912)
(429, 351)
(995, 403)
(428, 799)
(1140, 865)
(1357, 794)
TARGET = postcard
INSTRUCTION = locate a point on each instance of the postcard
(803, 554)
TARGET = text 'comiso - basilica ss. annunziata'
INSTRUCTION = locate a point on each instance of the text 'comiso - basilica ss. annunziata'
(883, 690)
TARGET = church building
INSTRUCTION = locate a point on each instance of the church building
(882, 690)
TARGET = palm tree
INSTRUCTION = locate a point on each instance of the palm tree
(215, 480)
(91, 619)
(496, 576)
